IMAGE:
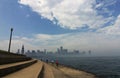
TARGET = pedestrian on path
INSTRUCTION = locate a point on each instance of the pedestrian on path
(57, 63)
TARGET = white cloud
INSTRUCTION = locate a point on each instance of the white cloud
(68, 13)
(17, 43)
(113, 29)
(107, 3)
(42, 36)
(96, 42)
(71, 14)
(82, 41)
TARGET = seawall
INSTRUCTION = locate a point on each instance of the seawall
(13, 67)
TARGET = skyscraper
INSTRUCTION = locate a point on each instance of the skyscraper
(61, 49)
(22, 50)
(89, 51)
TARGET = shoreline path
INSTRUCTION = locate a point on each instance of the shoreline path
(45, 70)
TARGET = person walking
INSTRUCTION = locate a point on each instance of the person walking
(57, 63)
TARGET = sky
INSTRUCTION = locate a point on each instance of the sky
(48, 24)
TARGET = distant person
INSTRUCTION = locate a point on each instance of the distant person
(46, 60)
(41, 59)
(57, 63)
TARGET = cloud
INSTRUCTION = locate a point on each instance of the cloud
(17, 43)
(73, 14)
(70, 14)
(42, 36)
(102, 7)
(97, 42)
(114, 29)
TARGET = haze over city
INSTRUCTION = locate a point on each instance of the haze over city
(47, 24)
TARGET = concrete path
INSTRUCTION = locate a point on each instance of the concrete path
(14, 64)
(47, 72)
(57, 73)
(44, 70)
(72, 73)
(29, 72)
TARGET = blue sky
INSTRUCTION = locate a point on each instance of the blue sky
(78, 24)
(24, 20)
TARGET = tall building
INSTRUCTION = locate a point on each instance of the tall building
(22, 50)
(89, 51)
(38, 51)
(45, 51)
(28, 51)
(33, 51)
(61, 48)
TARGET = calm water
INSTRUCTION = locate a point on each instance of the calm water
(104, 67)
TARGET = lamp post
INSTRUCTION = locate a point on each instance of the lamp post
(10, 39)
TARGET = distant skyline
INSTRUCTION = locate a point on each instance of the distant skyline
(47, 24)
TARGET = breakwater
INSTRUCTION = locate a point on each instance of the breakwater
(32, 68)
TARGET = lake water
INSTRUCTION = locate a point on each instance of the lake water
(104, 67)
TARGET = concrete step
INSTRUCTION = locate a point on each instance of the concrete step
(13, 67)
(46, 72)
(6, 57)
(67, 72)
(75, 73)
(51, 72)
(8, 60)
(57, 73)
(32, 71)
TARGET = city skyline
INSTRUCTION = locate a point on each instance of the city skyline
(80, 24)
(59, 51)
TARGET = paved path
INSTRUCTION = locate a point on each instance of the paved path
(29, 72)
(68, 72)
(57, 73)
(44, 70)
(47, 72)
(75, 73)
